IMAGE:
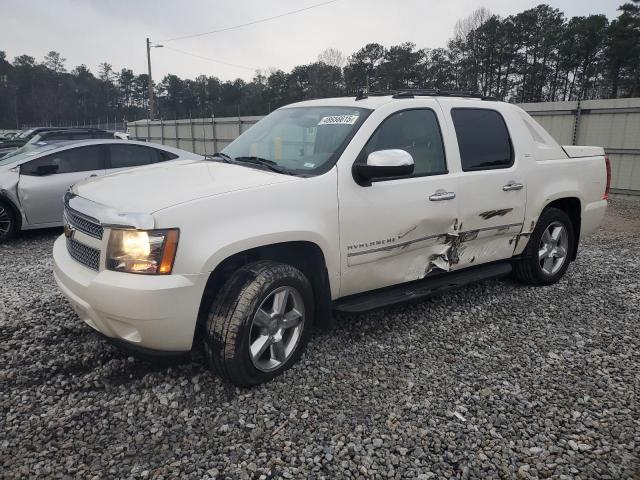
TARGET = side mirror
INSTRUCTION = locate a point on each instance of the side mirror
(383, 164)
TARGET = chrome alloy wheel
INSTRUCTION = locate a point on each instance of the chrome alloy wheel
(276, 329)
(5, 221)
(554, 244)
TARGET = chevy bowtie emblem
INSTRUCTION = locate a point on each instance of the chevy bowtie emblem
(69, 231)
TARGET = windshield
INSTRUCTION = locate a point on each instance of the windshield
(27, 151)
(302, 140)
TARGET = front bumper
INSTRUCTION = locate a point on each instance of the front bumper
(157, 312)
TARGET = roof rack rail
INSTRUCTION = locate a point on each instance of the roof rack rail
(425, 92)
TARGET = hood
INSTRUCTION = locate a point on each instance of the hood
(152, 188)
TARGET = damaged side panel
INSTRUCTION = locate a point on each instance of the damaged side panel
(9, 186)
(495, 213)
(401, 256)
(415, 253)
(520, 240)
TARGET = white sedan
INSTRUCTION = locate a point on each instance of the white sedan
(33, 182)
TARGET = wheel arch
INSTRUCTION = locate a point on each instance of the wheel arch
(14, 208)
(572, 206)
(306, 256)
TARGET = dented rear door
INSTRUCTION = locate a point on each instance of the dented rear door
(492, 186)
(399, 230)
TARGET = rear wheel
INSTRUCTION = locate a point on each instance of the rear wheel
(8, 222)
(259, 323)
(547, 255)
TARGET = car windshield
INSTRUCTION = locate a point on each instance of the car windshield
(27, 151)
(300, 140)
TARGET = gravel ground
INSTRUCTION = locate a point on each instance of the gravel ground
(496, 380)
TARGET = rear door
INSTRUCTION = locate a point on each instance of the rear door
(43, 181)
(122, 156)
(492, 190)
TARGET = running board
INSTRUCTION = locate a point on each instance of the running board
(420, 289)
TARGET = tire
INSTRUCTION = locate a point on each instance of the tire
(533, 267)
(8, 222)
(264, 306)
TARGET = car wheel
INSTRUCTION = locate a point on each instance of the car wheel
(8, 223)
(548, 253)
(259, 323)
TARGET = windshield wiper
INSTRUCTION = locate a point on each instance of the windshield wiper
(263, 162)
(222, 156)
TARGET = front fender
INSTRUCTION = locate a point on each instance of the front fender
(215, 228)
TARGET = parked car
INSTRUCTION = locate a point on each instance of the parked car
(9, 134)
(50, 136)
(345, 204)
(121, 135)
(71, 134)
(33, 183)
(22, 138)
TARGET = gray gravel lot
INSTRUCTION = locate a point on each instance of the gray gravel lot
(496, 380)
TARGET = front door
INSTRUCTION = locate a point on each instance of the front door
(492, 191)
(399, 229)
(44, 181)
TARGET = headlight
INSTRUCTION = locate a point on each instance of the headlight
(142, 251)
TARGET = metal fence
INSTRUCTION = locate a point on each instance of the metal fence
(199, 135)
(612, 124)
(104, 123)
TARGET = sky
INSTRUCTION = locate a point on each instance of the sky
(94, 31)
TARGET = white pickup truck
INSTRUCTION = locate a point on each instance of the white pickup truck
(344, 204)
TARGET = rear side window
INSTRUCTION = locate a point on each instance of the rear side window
(483, 139)
(83, 159)
(123, 156)
(416, 132)
(166, 155)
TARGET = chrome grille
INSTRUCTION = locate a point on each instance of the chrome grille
(89, 257)
(84, 224)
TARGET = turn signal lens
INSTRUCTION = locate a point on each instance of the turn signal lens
(149, 252)
(169, 252)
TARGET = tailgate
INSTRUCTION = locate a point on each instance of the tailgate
(576, 151)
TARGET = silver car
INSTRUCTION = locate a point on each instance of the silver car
(34, 180)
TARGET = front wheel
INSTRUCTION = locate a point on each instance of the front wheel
(259, 323)
(547, 255)
(8, 223)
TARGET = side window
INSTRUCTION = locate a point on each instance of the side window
(416, 132)
(123, 156)
(164, 155)
(81, 159)
(483, 139)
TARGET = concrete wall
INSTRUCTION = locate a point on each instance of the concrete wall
(612, 124)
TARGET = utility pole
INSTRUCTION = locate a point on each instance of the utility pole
(152, 101)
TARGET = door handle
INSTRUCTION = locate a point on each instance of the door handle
(93, 175)
(441, 195)
(511, 186)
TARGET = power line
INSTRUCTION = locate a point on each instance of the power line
(293, 12)
(211, 59)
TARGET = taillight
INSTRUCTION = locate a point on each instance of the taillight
(607, 163)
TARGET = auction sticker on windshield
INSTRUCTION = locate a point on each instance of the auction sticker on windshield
(338, 120)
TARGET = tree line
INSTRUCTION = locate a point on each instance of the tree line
(533, 56)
